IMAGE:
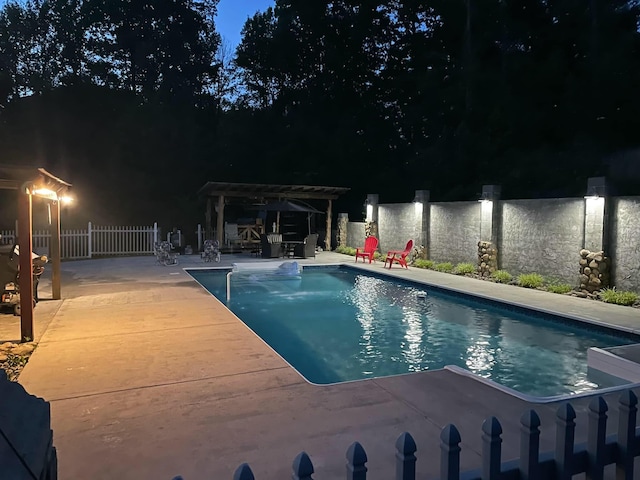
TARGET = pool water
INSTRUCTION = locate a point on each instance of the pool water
(335, 324)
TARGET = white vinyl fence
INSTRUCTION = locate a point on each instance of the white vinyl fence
(95, 241)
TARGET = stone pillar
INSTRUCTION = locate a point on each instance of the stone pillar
(489, 230)
(371, 216)
(595, 265)
(341, 234)
(421, 237)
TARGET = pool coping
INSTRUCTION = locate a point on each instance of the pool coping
(534, 399)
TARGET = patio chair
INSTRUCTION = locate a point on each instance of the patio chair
(271, 245)
(369, 249)
(399, 256)
(231, 234)
(307, 248)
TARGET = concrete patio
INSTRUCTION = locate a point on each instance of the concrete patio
(149, 376)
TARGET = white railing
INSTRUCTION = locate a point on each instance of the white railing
(95, 241)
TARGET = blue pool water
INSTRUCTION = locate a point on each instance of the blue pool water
(335, 324)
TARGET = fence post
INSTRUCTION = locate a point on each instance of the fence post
(627, 411)
(356, 459)
(155, 233)
(199, 238)
(529, 445)
(243, 472)
(450, 453)
(491, 448)
(89, 240)
(302, 467)
(565, 436)
(405, 458)
(596, 437)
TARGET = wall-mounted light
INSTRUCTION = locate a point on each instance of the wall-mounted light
(420, 198)
(596, 188)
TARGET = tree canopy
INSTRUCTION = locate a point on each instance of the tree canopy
(141, 98)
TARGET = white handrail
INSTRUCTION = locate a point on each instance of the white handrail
(229, 285)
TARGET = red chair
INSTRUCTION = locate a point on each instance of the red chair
(399, 256)
(369, 249)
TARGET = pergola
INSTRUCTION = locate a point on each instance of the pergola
(222, 191)
(30, 182)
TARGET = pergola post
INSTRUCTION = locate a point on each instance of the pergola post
(54, 250)
(327, 238)
(220, 220)
(25, 217)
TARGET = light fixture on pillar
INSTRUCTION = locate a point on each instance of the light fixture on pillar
(421, 197)
(490, 193)
(596, 190)
(368, 209)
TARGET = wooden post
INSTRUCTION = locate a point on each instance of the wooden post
(327, 237)
(220, 220)
(54, 251)
(450, 453)
(25, 216)
(207, 220)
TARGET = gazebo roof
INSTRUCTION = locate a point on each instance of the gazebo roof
(268, 191)
(13, 177)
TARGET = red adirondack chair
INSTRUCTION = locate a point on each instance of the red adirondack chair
(370, 245)
(399, 256)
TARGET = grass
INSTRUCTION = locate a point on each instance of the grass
(422, 263)
(502, 276)
(445, 267)
(530, 280)
(346, 250)
(611, 295)
(464, 269)
(559, 288)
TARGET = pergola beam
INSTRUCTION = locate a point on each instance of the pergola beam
(253, 191)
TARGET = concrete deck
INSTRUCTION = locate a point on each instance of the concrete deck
(149, 376)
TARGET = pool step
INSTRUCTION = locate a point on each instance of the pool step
(621, 362)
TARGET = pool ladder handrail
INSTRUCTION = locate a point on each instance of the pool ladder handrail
(229, 286)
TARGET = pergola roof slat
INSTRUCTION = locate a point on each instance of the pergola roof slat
(249, 190)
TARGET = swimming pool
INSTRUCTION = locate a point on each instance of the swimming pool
(337, 323)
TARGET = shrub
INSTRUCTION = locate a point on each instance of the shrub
(446, 267)
(530, 280)
(611, 295)
(464, 269)
(346, 250)
(502, 276)
(422, 263)
(379, 256)
(559, 288)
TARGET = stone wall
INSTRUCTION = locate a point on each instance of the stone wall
(487, 259)
(397, 223)
(355, 234)
(454, 232)
(624, 215)
(542, 236)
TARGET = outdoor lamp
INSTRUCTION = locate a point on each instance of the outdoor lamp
(369, 208)
(596, 188)
(421, 197)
